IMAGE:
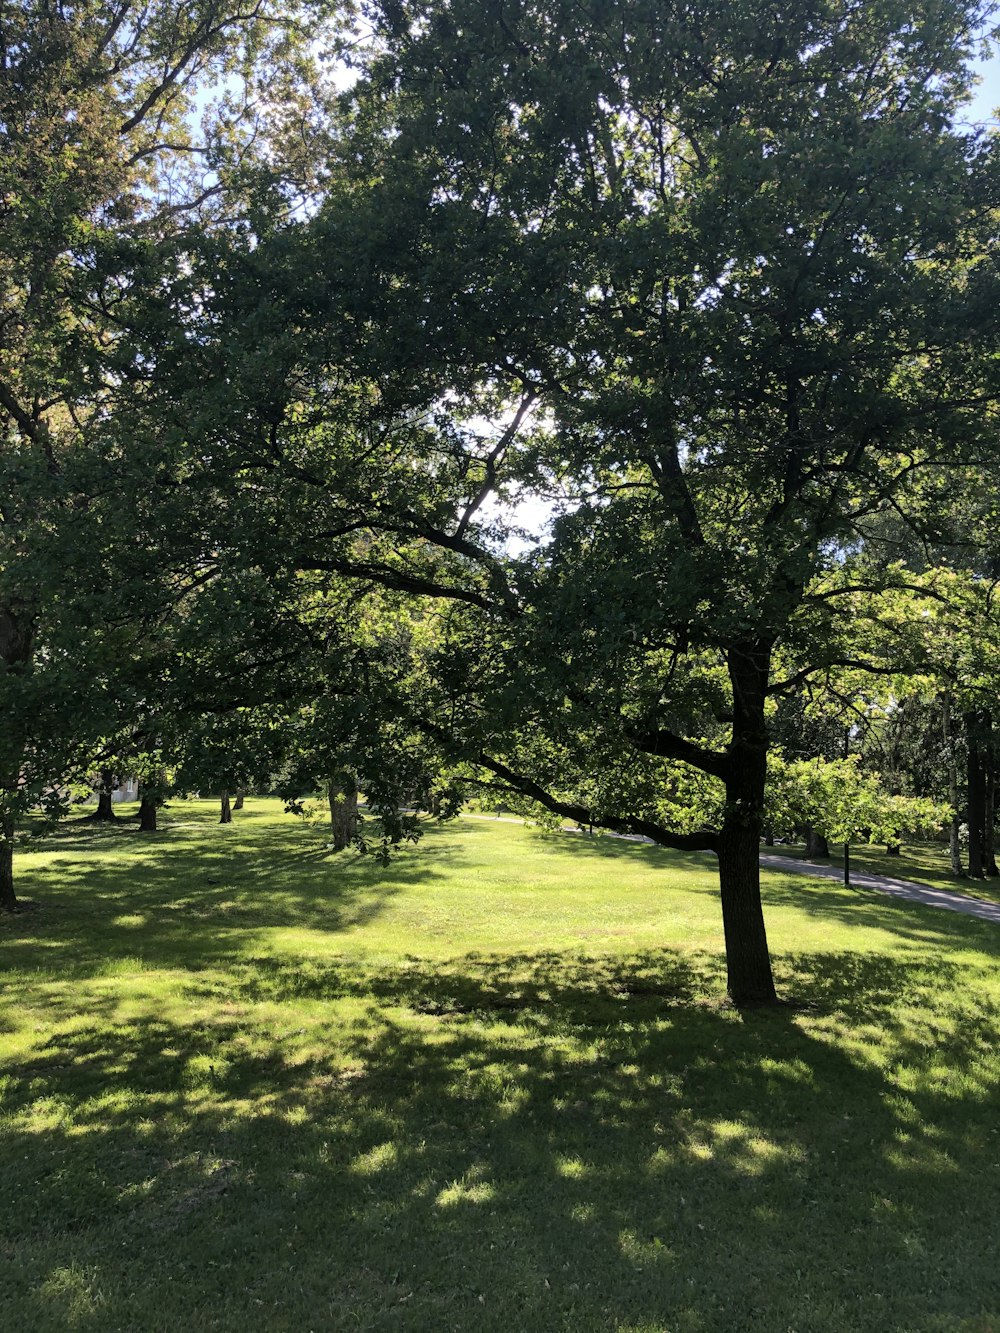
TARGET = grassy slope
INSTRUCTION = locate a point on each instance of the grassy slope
(923, 863)
(244, 1084)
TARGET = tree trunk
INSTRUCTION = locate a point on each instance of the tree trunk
(17, 635)
(343, 796)
(226, 813)
(894, 849)
(147, 813)
(750, 979)
(955, 847)
(748, 962)
(8, 898)
(988, 760)
(976, 817)
(105, 812)
(768, 839)
(238, 803)
(954, 850)
(816, 845)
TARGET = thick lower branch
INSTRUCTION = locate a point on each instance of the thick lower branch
(400, 581)
(667, 745)
(702, 841)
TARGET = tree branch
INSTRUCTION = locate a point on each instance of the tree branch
(703, 841)
(400, 581)
(664, 744)
(665, 465)
(494, 457)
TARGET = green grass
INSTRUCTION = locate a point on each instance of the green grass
(923, 863)
(248, 1085)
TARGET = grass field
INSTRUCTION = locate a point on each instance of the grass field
(923, 863)
(248, 1085)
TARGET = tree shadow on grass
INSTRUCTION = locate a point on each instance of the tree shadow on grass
(194, 905)
(536, 1142)
(858, 907)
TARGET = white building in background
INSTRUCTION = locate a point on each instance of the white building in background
(127, 790)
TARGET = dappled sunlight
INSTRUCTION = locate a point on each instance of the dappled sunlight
(471, 1189)
(563, 1127)
(791, 1071)
(433, 1110)
(73, 1293)
(382, 1157)
(571, 1168)
(742, 1147)
(642, 1251)
(911, 1153)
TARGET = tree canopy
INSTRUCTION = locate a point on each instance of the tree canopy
(717, 286)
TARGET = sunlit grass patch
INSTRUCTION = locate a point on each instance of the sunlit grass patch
(920, 862)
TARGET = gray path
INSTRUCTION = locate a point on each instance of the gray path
(896, 888)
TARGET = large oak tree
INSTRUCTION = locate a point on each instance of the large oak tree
(716, 282)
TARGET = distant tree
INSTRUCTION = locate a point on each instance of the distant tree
(844, 803)
(356, 730)
(104, 157)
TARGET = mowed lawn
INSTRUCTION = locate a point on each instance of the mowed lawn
(246, 1084)
(922, 863)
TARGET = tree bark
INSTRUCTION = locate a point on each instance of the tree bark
(954, 847)
(748, 961)
(342, 793)
(988, 761)
(750, 979)
(8, 898)
(894, 849)
(954, 850)
(147, 813)
(976, 808)
(226, 812)
(238, 803)
(816, 844)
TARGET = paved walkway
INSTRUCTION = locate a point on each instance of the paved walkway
(896, 888)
